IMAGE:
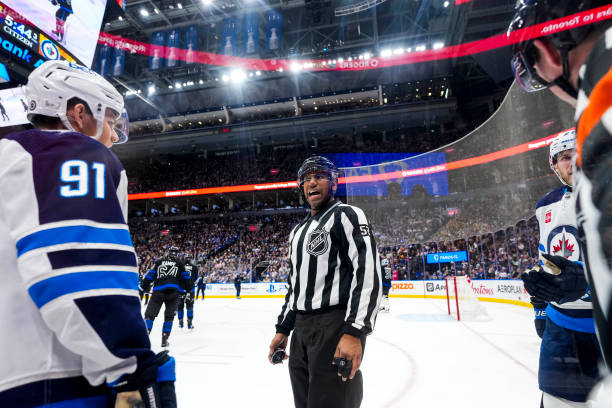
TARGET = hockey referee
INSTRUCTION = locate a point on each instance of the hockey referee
(335, 287)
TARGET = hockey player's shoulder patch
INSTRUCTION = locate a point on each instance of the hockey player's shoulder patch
(552, 197)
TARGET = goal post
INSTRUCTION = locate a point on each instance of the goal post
(461, 300)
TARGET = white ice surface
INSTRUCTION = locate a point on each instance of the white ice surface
(417, 357)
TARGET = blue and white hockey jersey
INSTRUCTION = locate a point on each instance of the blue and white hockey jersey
(69, 305)
(556, 215)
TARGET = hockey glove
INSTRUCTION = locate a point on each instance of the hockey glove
(539, 307)
(155, 380)
(569, 285)
(189, 297)
(146, 286)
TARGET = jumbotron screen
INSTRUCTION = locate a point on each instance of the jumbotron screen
(72, 24)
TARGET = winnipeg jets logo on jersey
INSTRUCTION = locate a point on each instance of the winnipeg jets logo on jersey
(559, 234)
(563, 241)
(317, 243)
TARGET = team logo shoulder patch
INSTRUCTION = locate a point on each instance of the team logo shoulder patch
(563, 241)
(317, 243)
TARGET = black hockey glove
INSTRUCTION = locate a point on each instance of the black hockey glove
(146, 285)
(155, 380)
(569, 285)
(539, 307)
(189, 297)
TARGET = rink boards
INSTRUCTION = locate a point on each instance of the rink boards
(498, 291)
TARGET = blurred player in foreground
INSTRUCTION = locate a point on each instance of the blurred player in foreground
(69, 307)
(575, 64)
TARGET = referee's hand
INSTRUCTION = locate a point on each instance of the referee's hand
(279, 341)
(349, 347)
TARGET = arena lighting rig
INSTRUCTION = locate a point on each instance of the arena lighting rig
(356, 7)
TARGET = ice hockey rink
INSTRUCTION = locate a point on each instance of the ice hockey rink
(417, 356)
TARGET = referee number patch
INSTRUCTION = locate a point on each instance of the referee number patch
(363, 230)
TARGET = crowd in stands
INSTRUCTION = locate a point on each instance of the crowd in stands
(257, 246)
(505, 254)
(223, 247)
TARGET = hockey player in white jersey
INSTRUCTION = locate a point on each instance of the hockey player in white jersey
(72, 332)
(569, 354)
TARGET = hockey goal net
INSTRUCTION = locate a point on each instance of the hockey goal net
(462, 301)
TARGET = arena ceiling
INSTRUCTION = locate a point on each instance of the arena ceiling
(313, 31)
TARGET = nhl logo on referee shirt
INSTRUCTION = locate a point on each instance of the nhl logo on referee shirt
(317, 242)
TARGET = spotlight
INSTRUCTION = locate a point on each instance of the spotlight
(179, 5)
(144, 12)
(225, 78)
(438, 45)
(238, 76)
(398, 51)
(385, 53)
(151, 90)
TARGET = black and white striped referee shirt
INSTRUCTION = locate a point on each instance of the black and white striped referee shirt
(334, 262)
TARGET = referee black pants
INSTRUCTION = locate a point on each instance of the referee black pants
(314, 379)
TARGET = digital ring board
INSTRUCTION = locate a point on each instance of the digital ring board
(34, 31)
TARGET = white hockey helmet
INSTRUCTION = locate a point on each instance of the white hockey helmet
(562, 142)
(54, 83)
(384, 262)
